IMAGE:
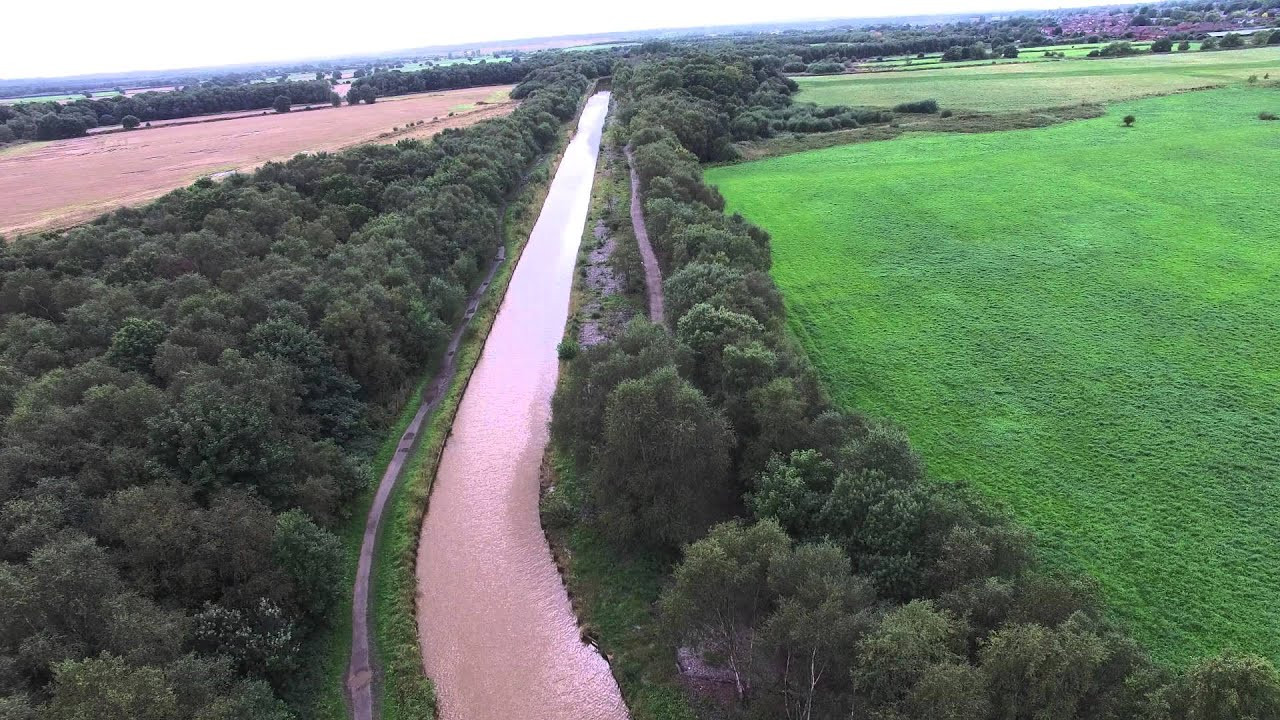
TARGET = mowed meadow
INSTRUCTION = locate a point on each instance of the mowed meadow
(1080, 320)
(1022, 86)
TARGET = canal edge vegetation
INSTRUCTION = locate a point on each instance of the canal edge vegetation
(612, 593)
(405, 691)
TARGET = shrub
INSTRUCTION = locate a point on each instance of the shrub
(281, 104)
(1209, 43)
(1266, 116)
(946, 113)
(920, 106)
(826, 67)
(1253, 79)
(567, 350)
(1231, 40)
(130, 122)
(1163, 45)
(1128, 120)
(1184, 46)
(794, 66)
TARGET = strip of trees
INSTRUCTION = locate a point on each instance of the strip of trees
(822, 568)
(448, 77)
(191, 392)
(53, 120)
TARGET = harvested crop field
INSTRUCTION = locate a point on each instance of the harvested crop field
(1029, 85)
(1080, 320)
(66, 182)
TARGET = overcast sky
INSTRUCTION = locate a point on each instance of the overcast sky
(87, 36)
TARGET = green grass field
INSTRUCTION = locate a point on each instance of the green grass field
(1028, 85)
(1082, 320)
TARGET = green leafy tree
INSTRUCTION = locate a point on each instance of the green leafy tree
(106, 688)
(312, 558)
(662, 468)
(720, 595)
(1230, 686)
(822, 612)
(899, 653)
(134, 345)
(282, 104)
(1039, 672)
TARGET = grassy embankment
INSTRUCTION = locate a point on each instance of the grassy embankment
(1025, 86)
(612, 592)
(1081, 321)
(403, 690)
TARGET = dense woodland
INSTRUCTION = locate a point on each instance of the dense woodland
(191, 392)
(821, 565)
(449, 77)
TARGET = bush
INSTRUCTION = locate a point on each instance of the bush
(281, 104)
(129, 122)
(794, 67)
(1129, 120)
(567, 350)
(1163, 45)
(924, 107)
(1209, 43)
(826, 67)
(946, 113)
(1231, 40)
(1184, 46)
(1266, 116)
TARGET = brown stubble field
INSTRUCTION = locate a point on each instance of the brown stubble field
(62, 183)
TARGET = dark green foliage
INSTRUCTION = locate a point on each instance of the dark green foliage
(130, 122)
(663, 463)
(825, 67)
(1129, 120)
(134, 345)
(1118, 49)
(52, 120)
(1163, 45)
(1231, 40)
(281, 104)
(925, 107)
(189, 390)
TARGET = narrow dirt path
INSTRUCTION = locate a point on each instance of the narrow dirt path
(652, 271)
(360, 675)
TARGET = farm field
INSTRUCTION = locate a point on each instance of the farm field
(65, 182)
(1022, 86)
(1080, 320)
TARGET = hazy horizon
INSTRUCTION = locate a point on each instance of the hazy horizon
(150, 35)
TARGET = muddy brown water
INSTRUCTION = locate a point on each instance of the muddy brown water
(498, 635)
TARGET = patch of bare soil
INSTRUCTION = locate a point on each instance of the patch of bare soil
(45, 186)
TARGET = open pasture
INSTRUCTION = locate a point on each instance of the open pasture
(65, 182)
(1025, 86)
(1080, 320)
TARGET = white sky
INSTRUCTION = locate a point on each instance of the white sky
(90, 36)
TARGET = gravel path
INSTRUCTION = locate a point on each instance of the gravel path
(360, 674)
(652, 271)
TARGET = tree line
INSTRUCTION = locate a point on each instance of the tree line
(822, 568)
(191, 394)
(462, 75)
(54, 120)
